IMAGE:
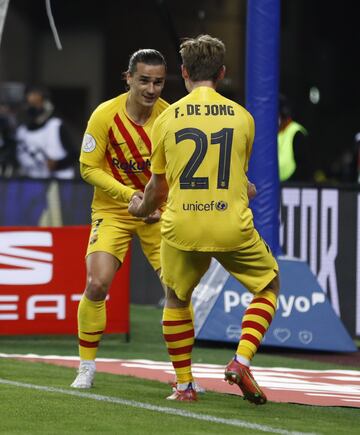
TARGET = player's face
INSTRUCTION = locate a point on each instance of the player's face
(146, 83)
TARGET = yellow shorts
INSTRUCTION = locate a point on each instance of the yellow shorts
(253, 266)
(112, 234)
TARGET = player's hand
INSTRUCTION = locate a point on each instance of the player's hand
(153, 217)
(139, 194)
(251, 190)
(134, 204)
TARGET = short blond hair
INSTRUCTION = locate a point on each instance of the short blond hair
(203, 57)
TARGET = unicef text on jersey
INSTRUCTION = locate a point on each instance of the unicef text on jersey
(205, 206)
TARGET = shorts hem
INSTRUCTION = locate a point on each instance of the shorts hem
(173, 287)
(269, 277)
(201, 249)
(107, 252)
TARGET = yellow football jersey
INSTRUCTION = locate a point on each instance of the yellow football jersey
(119, 146)
(203, 144)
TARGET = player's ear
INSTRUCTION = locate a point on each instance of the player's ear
(184, 72)
(128, 78)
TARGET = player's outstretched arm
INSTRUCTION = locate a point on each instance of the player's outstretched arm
(98, 177)
(153, 217)
(155, 195)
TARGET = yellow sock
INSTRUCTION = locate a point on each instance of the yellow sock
(91, 325)
(192, 312)
(256, 321)
(178, 330)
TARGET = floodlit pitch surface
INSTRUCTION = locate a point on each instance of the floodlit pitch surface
(281, 384)
(36, 398)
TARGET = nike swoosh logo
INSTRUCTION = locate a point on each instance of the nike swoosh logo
(121, 143)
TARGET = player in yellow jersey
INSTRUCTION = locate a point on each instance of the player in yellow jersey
(115, 159)
(201, 150)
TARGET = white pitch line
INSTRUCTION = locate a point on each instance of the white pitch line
(355, 398)
(161, 409)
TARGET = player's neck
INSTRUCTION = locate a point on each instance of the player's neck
(138, 113)
(206, 83)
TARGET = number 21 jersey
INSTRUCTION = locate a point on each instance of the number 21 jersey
(203, 144)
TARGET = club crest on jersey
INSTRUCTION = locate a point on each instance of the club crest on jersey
(88, 143)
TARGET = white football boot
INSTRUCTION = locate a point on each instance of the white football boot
(85, 376)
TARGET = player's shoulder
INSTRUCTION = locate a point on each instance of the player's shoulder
(162, 104)
(237, 106)
(242, 113)
(163, 116)
(109, 106)
(168, 112)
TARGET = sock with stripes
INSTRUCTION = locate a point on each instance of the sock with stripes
(178, 331)
(256, 321)
(192, 312)
(91, 325)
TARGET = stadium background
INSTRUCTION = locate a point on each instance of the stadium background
(318, 43)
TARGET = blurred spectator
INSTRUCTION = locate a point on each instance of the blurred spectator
(44, 145)
(346, 168)
(293, 152)
(7, 141)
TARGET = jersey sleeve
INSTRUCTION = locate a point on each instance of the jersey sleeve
(95, 140)
(99, 178)
(250, 139)
(158, 158)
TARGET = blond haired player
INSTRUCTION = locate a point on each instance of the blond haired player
(201, 150)
(115, 159)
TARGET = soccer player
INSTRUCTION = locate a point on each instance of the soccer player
(115, 159)
(201, 150)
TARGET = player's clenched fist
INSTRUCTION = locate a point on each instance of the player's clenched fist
(134, 205)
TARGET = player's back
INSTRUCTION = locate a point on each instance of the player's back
(207, 145)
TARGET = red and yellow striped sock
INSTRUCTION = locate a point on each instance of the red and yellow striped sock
(178, 330)
(255, 323)
(91, 325)
(192, 312)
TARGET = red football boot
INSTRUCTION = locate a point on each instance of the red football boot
(239, 374)
(186, 395)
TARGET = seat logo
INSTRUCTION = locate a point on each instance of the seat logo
(20, 262)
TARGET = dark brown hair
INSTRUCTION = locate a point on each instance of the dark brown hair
(203, 57)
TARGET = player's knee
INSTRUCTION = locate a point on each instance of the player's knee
(172, 300)
(274, 285)
(96, 289)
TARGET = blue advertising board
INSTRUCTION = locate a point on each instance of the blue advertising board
(304, 319)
